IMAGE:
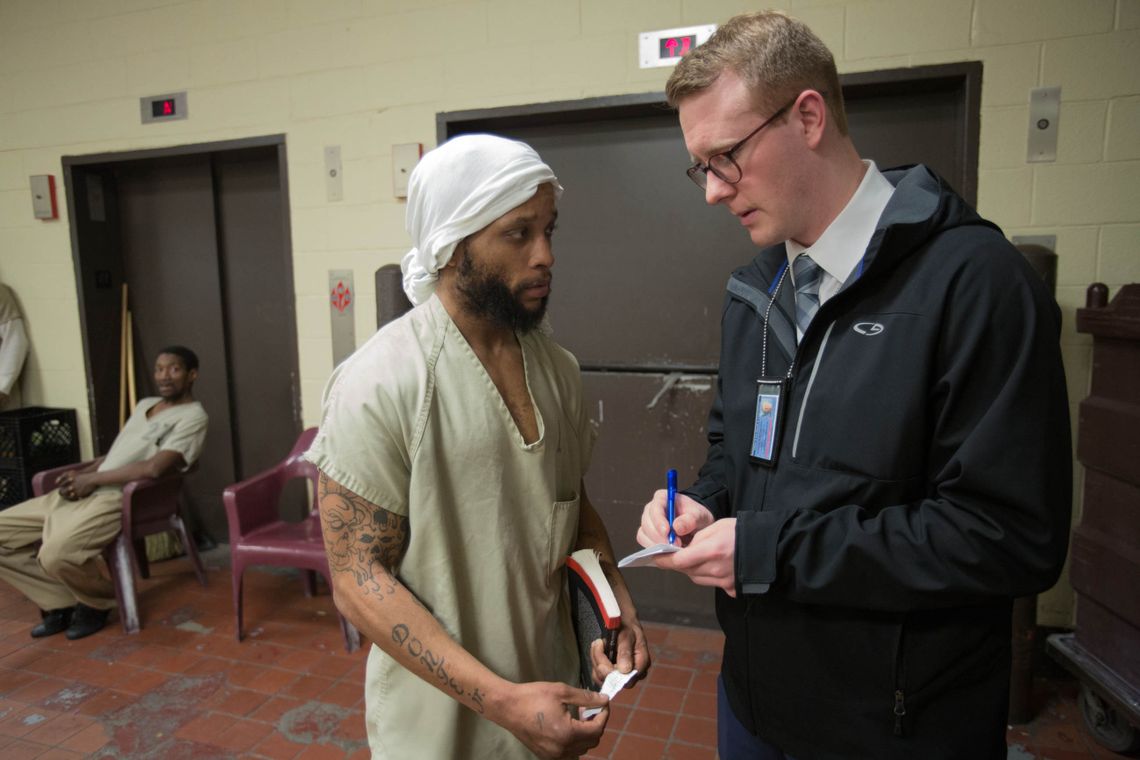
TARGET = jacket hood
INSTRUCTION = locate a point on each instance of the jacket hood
(924, 207)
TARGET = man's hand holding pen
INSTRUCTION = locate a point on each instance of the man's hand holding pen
(709, 545)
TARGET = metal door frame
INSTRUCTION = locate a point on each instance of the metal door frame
(71, 163)
(965, 77)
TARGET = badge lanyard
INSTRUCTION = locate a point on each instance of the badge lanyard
(770, 394)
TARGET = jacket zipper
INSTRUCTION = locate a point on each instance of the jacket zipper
(807, 393)
(900, 681)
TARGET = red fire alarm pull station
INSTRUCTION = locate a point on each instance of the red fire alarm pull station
(43, 196)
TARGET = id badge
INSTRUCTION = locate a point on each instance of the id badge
(767, 426)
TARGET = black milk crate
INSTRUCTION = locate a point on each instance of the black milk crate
(38, 435)
(16, 478)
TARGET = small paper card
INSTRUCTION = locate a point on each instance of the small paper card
(645, 556)
(614, 683)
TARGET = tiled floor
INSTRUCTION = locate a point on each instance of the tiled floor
(184, 688)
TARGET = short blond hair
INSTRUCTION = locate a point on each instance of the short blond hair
(777, 57)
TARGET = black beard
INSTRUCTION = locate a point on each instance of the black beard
(488, 296)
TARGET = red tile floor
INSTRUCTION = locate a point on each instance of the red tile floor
(185, 688)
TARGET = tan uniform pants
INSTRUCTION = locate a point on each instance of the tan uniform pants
(66, 568)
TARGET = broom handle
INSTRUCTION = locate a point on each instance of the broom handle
(123, 332)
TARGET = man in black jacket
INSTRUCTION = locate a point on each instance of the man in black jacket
(889, 458)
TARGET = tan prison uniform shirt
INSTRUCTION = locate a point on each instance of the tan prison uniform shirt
(180, 428)
(413, 423)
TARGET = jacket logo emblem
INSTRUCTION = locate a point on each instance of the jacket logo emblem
(868, 328)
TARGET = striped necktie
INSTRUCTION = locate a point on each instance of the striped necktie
(807, 274)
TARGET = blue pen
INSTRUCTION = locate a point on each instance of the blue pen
(670, 504)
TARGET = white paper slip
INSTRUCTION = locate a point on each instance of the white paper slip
(614, 683)
(645, 556)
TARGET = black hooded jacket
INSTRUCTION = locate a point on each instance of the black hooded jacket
(923, 480)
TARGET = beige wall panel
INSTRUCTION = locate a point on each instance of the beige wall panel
(316, 12)
(296, 51)
(1123, 141)
(263, 105)
(309, 228)
(1076, 254)
(583, 62)
(306, 183)
(508, 21)
(158, 73)
(829, 24)
(501, 69)
(78, 83)
(1119, 262)
(715, 11)
(1098, 66)
(1003, 137)
(141, 31)
(1004, 196)
(368, 180)
(353, 226)
(25, 49)
(222, 62)
(420, 33)
(15, 208)
(416, 80)
(999, 22)
(1009, 72)
(1086, 193)
(1080, 137)
(55, 344)
(328, 93)
(313, 315)
(222, 20)
(12, 176)
(878, 29)
(634, 16)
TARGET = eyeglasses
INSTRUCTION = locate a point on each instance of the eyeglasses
(723, 165)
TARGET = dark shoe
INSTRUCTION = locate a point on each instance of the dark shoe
(86, 621)
(54, 622)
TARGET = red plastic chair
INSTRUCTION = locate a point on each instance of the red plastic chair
(259, 537)
(150, 505)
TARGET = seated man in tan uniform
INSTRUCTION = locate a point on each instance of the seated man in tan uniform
(452, 451)
(78, 519)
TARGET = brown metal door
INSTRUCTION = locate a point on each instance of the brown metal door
(642, 262)
(170, 255)
(200, 235)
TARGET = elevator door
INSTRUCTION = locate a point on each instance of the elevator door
(200, 240)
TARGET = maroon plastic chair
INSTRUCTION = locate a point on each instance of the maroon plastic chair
(259, 537)
(150, 505)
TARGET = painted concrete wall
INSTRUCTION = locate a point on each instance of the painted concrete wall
(367, 74)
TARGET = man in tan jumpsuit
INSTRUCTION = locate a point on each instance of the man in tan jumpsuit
(452, 452)
(78, 519)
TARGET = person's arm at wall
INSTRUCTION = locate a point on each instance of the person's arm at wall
(632, 647)
(13, 351)
(365, 544)
(77, 484)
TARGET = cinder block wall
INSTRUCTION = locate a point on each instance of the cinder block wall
(367, 74)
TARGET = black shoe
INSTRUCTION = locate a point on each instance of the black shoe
(86, 621)
(54, 622)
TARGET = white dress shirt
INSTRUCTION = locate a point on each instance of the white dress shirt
(841, 246)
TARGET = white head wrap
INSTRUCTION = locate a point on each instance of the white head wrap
(458, 189)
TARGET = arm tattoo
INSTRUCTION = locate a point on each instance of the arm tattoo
(361, 539)
(435, 665)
